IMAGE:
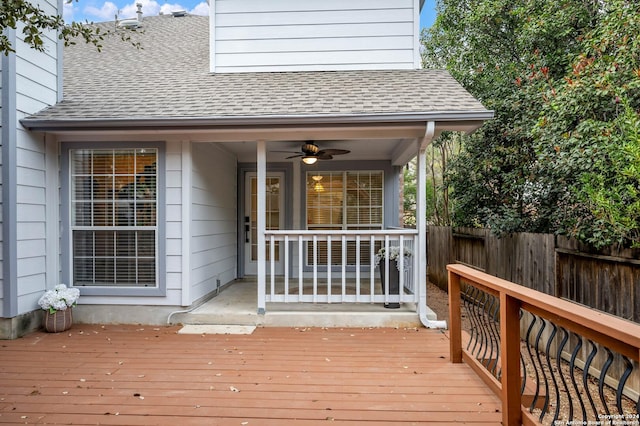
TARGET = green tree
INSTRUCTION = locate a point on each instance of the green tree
(35, 22)
(490, 46)
(562, 80)
(588, 134)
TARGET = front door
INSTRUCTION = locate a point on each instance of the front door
(274, 220)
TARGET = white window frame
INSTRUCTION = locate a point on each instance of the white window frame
(159, 289)
(345, 225)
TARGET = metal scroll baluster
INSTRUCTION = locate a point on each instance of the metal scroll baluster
(561, 346)
(623, 380)
(488, 337)
(603, 375)
(469, 304)
(544, 374)
(495, 333)
(572, 371)
(523, 366)
(535, 367)
(585, 376)
(477, 322)
(483, 328)
(550, 366)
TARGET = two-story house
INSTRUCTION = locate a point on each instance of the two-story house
(265, 143)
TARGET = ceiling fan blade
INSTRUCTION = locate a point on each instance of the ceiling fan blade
(333, 152)
(294, 156)
(324, 156)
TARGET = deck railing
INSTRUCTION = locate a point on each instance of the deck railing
(340, 266)
(551, 361)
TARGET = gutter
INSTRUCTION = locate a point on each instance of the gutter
(273, 121)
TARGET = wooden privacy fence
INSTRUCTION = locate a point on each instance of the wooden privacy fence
(607, 280)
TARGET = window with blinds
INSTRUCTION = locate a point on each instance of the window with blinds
(113, 206)
(347, 200)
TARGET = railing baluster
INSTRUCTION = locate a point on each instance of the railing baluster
(272, 263)
(603, 376)
(495, 339)
(372, 267)
(300, 269)
(470, 308)
(533, 363)
(386, 270)
(344, 267)
(559, 361)
(315, 268)
(357, 268)
(574, 382)
(286, 268)
(543, 325)
(623, 381)
(550, 367)
(401, 269)
(585, 376)
(328, 268)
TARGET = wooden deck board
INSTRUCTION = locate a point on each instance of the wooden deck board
(151, 375)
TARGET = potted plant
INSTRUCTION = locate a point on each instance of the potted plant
(394, 270)
(58, 305)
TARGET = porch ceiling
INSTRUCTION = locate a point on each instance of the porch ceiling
(361, 149)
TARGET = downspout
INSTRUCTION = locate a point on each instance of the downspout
(421, 223)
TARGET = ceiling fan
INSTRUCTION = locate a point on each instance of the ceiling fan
(310, 153)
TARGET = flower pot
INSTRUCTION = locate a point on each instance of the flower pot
(58, 321)
(394, 281)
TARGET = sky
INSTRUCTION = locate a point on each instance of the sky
(105, 10)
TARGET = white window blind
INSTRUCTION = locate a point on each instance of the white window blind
(114, 217)
(344, 200)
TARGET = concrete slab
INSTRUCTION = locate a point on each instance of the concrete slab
(237, 305)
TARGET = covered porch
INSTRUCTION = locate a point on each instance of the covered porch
(300, 253)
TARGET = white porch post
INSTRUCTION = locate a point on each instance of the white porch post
(421, 224)
(261, 224)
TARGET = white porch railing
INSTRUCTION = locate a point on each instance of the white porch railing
(339, 266)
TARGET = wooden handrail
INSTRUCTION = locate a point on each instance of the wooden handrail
(610, 331)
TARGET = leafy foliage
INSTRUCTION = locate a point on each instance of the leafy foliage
(588, 134)
(35, 22)
(562, 78)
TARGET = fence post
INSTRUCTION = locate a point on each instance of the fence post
(510, 360)
(455, 322)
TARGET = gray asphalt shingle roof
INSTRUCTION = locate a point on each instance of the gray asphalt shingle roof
(169, 78)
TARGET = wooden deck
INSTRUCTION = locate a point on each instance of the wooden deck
(117, 375)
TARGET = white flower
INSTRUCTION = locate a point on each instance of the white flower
(394, 254)
(59, 299)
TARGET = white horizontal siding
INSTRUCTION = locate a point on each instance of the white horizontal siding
(312, 44)
(293, 35)
(213, 218)
(31, 216)
(173, 214)
(35, 78)
(239, 6)
(310, 58)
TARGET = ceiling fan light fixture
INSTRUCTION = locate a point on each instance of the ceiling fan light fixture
(309, 159)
